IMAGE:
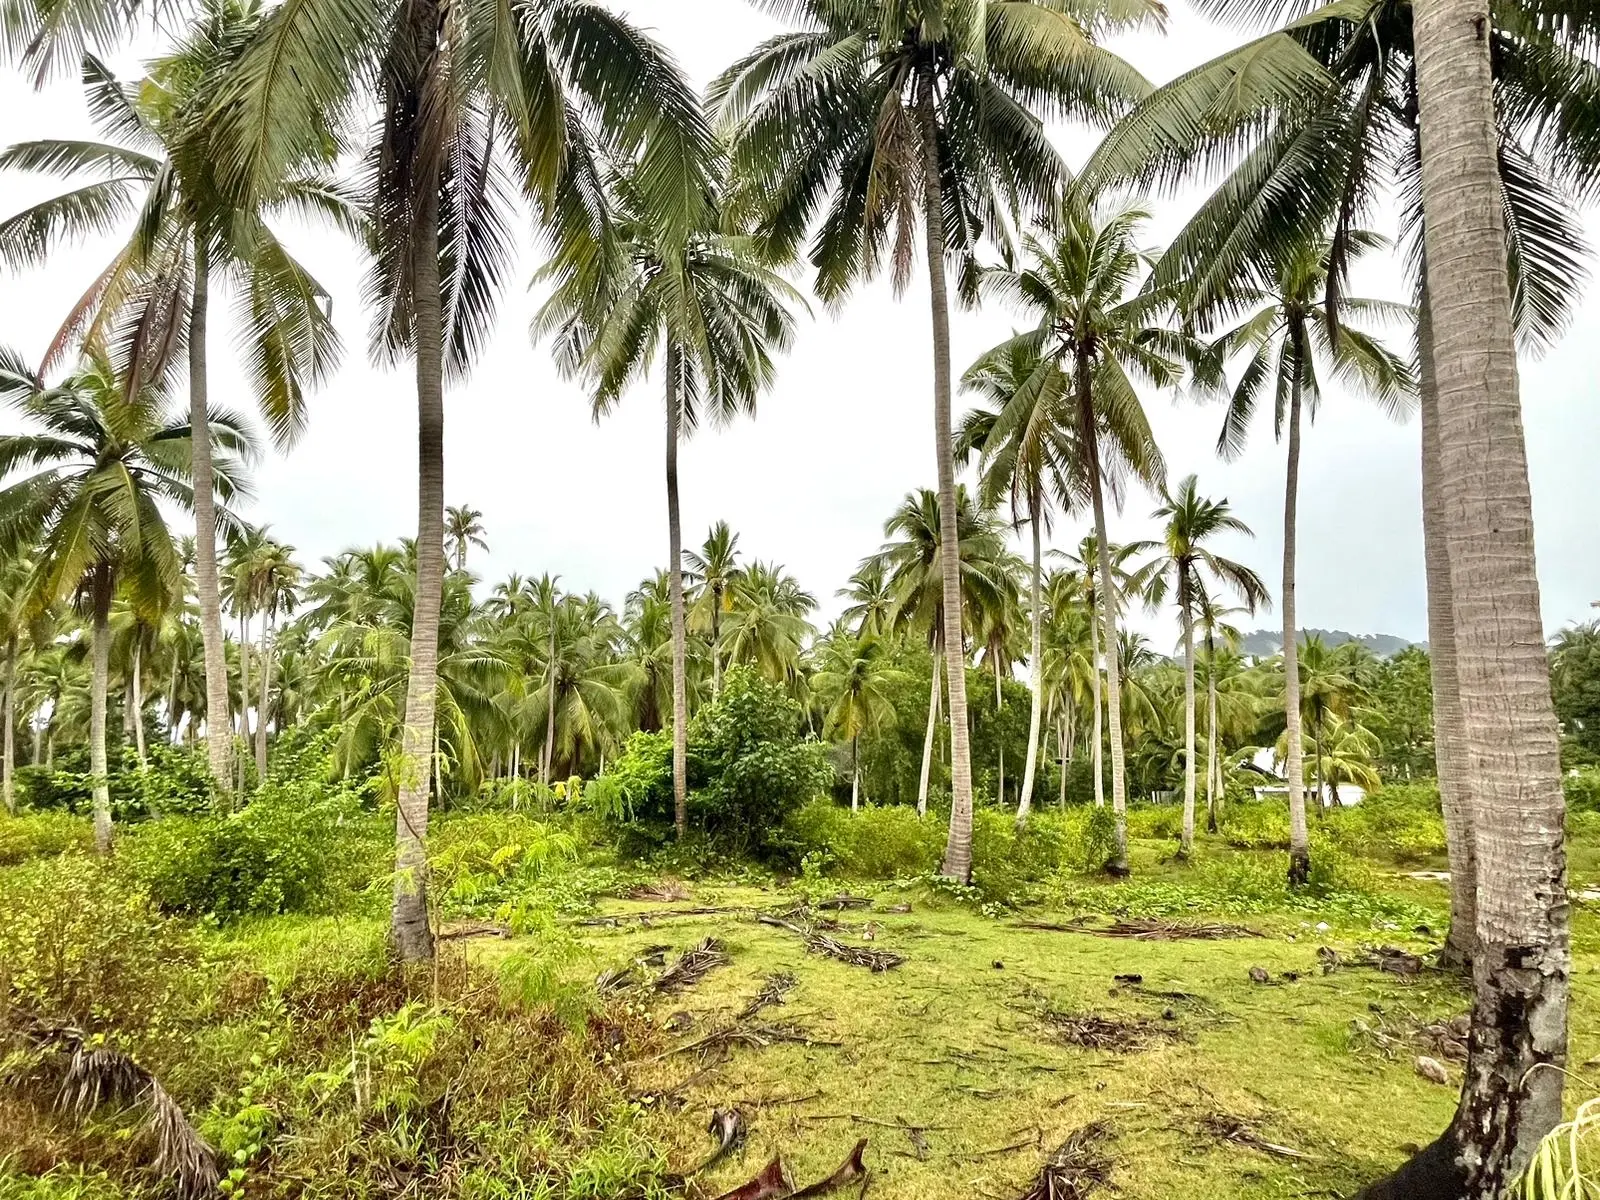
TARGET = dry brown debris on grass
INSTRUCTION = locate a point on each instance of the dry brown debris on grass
(753, 1035)
(1076, 1169)
(831, 947)
(693, 965)
(773, 1183)
(1445, 1040)
(772, 992)
(665, 891)
(1148, 929)
(1120, 1035)
(1225, 1127)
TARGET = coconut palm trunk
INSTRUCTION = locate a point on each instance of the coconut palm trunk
(1449, 765)
(933, 725)
(246, 730)
(1064, 744)
(1211, 737)
(413, 937)
(99, 680)
(1186, 607)
(680, 686)
(1035, 662)
(266, 698)
(219, 727)
(958, 847)
(1511, 1094)
(717, 593)
(855, 772)
(136, 694)
(550, 709)
(1097, 755)
(1108, 613)
(1299, 836)
(9, 784)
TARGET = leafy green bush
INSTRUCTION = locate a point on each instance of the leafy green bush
(34, 835)
(302, 844)
(875, 843)
(1582, 789)
(1402, 823)
(750, 764)
(1256, 825)
(79, 944)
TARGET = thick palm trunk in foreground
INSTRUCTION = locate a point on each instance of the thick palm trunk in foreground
(1186, 846)
(1511, 1093)
(413, 938)
(1294, 769)
(958, 847)
(219, 727)
(1447, 749)
(1108, 616)
(1036, 664)
(680, 686)
(99, 679)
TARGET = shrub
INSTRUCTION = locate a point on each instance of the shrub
(34, 835)
(1582, 789)
(875, 843)
(80, 944)
(1402, 822)
(1256, 825)
(302, 844)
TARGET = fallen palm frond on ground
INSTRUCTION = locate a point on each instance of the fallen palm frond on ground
(773, 1183)
(771, 994)
(843, 901)
(665, 890)
(1391, 959)
(1444, 1039)
(646, 918)
(1149, 929)
(463, 930)
(820, 943)
(616, 979)
(1075, 1169)
(89, 1077)
(692, 966)
(1120, 1035)
(1226, 1127)
(727, 1125)
(757, 1037)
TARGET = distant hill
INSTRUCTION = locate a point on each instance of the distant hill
(1265, 642)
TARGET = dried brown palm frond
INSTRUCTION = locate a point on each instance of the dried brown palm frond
(692, 966)
(1076, 1168)
(772, 993)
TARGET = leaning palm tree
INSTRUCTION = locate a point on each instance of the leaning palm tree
(104, 461)
(1102, 328)
(1288, 338)
(714, 573)
(852, 682)
(1192, 573)
(153, 183)
(883, 115)
(471, 103)
(714, 312)
(463, 529)
(1027, 446)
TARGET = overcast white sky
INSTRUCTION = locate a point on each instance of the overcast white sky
(845, 434)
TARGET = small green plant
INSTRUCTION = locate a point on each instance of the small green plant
(1562, 1168)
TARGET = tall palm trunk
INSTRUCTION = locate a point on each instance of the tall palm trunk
(1212, 789)
(136, 694)
(9, 784)
(1449, 763)
(412, 935)
(855, 772)
(958, 847)
(550, 710)
(219, 727)
(246, 730)
(1064, 743)
(680, 686)
(1186, 607)
(266, 698)
(1512, 1087)
(1035, 661)
(1299, 836)
(99, 679)
(1098, 755)
(933, 725)
(1108, 611)
(716, 641)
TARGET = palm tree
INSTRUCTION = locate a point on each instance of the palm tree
(768, 626)
(1213, 620)
(894, 112)
(531, 90)
(853, 681)
(153, 181)
(1027, 452)
(706, 302)
(15, 575)
(1327, 689)
(1098, 325)
(274, 583)
(871, 601)
(105, 460)
(1290, 341)
(1070, 672)
(463, 529)
(912, 561)
(715, 573)
(1194, 573)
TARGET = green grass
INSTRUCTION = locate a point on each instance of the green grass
(953, 1041)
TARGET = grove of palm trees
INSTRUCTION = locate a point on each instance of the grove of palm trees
(1017, 859)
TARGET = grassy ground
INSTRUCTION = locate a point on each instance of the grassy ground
(953, 1068)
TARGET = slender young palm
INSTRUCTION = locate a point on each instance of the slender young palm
(1028, 454)
(853, 682)
(1327, 690)
(1511, 1096)
(152, 182)
(881, 115)
(15, 596)
(705, 302)
(715, 574)
(105, 460)
(1071, 678)
(463, 529)
(1213, 620)
(467, 100)
(275, 585)
(912, 560)
(1289, 341)
(1102, 329)
(1188, 570)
